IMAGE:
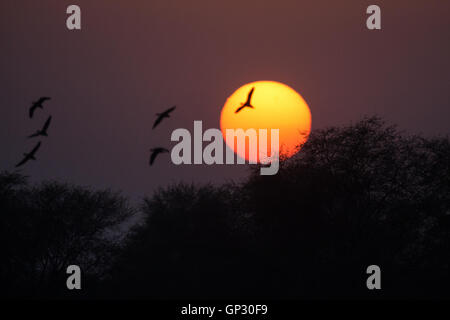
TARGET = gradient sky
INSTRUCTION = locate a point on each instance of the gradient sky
(134, 58)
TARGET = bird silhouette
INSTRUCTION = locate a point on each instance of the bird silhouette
(247, 103)
(155, 152)
(163, 115)
(29, 156)
(43, 131)
(37, 104)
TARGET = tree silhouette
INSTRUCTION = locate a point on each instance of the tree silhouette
(354, 196)
(48, 227)
(182, 246)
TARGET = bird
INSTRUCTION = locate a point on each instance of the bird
(29, 156)
(43, 131)
(155, 152)
(163, 115)
(247, 103)
(37, 104)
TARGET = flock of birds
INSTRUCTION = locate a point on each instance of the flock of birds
(154, 151)
(166, 114)
(41, 132)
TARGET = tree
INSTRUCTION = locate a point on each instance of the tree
(48, 227)
(183, 246)
(355, 195)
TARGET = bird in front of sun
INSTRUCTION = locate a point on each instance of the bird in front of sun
(155, 153)
(43, 131)
(248, 102)
(277, 107)
(29, 156)
(162, 115)
(37, 104)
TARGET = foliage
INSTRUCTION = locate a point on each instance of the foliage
(354, 196)
(47, 227)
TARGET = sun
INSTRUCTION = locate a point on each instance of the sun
(275, 106)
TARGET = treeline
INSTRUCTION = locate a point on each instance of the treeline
(354, 196)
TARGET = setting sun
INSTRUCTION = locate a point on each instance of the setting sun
(272, 105)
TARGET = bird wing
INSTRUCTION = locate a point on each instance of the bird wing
(35, 149)
(34, 135)
(158, 120)
(31, 112)
(43, 99)
(239, 109)
(47, 124)
(169, 110)
(155, 153)
(23, 161)
(250, 95)
(162, 115)
(153, 156)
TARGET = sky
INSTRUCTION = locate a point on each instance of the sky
(135, 58)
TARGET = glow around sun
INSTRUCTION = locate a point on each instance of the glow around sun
(275, 106)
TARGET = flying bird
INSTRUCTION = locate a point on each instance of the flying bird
(43, 131)
(37, 104)
(163, 115)
(247, 103)
(29, 156)
(155, 153)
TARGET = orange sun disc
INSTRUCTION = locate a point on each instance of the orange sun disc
(275, 106)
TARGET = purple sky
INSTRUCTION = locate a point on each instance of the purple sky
(134, 58)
